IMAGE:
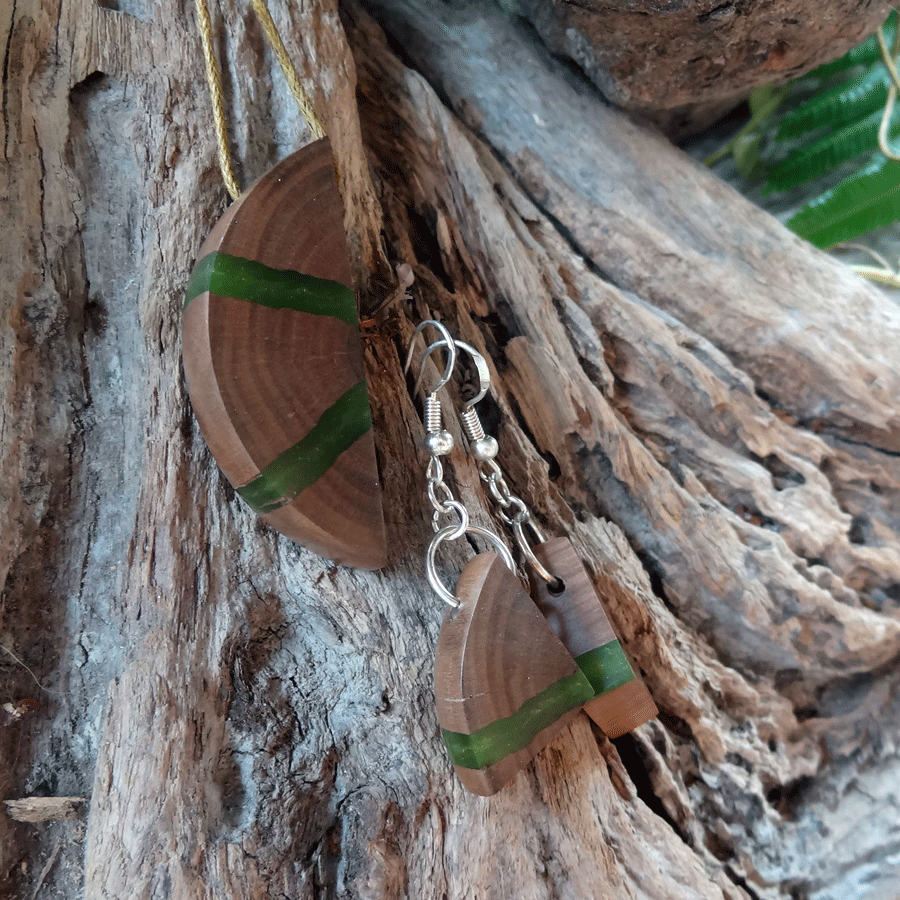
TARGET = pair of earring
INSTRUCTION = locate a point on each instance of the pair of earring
(512, 669)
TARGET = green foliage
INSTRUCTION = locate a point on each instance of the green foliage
(870, 199)
(821, 156)
(837, 121)
(842, 104)
(864, 54)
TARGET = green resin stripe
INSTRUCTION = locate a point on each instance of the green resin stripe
(606, 668)
(289, 474)
(245, 279)
(497, 740)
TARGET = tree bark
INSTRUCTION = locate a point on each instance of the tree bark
(705, 405)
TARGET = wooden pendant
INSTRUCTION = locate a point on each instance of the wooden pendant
(504, 683)
(621, 700)
(274, 366)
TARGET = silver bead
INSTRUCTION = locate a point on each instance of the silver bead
(485, 448)
(439, 443)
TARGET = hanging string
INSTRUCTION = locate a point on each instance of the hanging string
(290, 73)
(888, 57)
(214, 80)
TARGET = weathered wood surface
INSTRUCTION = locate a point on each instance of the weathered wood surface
(670, 61)
(703, 404)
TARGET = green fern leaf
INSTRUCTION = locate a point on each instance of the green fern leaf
(864, 54)
(870, 199)
(826, 131)
(820, 157)
(841, 105)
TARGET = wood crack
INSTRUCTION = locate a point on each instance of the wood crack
(6, 81)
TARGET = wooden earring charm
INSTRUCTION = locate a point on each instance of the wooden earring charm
(505, 685)
(274, 366)
(620, 700)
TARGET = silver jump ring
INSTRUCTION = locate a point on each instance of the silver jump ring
(449, 507)
(528, 553)
(494, 472)
(522, 516)
(452, 532)
(500, 491)
(434, 471)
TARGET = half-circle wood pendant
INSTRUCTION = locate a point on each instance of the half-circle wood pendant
(504, 683)
(621, 701)
(274, 366)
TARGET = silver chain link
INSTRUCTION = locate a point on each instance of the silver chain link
(442, 500)
(492, 475)
(503, 496)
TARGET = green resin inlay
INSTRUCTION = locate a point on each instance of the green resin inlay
(606, 668)
(245, 279)
(497, 740)
(289, 474)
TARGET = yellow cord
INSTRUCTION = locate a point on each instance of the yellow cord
(888, 57)
(290, 73)
(214, 79)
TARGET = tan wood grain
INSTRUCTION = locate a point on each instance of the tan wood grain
(577, 616)
(494, 653)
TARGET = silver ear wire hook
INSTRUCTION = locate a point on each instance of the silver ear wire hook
(484, 448)
(484, 374)
(480, 363)
(438, 443)
(446, 342)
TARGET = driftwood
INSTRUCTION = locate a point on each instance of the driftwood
(702, 403)
(665, 59)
